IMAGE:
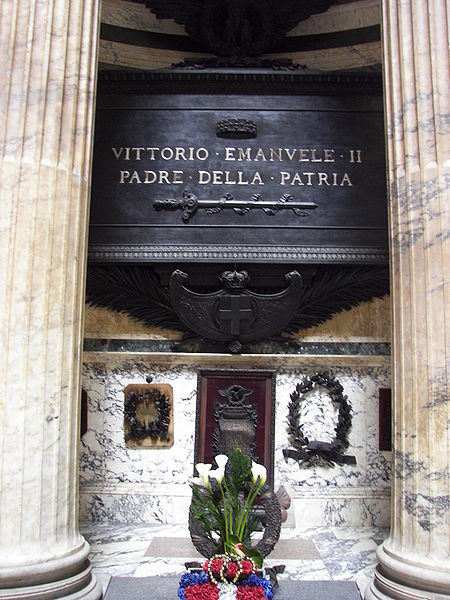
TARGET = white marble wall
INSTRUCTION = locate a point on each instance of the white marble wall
(152, 485)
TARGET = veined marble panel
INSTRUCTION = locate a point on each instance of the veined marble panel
(152, 485)
(372, 469)
(104, 455)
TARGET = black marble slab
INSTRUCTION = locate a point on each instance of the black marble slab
(291, 347)
(166, 588)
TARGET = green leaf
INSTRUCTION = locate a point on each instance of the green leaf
(256, 556)
(233, 539)
(240, 471)
(236, 545)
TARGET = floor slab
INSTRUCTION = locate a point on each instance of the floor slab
(309, 554)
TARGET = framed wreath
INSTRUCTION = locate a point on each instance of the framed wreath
(309, 452)
(148, 414)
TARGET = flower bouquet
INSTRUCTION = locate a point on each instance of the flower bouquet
(223, 504)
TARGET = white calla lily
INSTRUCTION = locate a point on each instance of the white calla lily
(221, 461)
(259, 471)
(217, 474)
(200, 481)
(203, 471)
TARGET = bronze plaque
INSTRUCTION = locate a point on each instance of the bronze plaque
(221, 414)
(294, 172)
(148, 415)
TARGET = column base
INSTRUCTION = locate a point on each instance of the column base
(397, 579)
(67, 577)
(83, 586)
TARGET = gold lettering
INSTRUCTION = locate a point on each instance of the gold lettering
(202, 154)
(163, 177)
(346, 179)
(323, 178)
(117, 152)
(297, 180)
(277, 155)
(313, 156)
(167, 153)
(260, 154)
(204, 177)
(303, 155)
(148, 175)
(244, 154)
(124, 175)
(328, 155)
(135, 178)
(152, 152)
(217, 177)
(284, 177)
(229, 181)
(308, 175)
(138, 151)
(355, 156)
(229, 153)
(290, 153)
(257, 179)
(177, 177)
(180, 152)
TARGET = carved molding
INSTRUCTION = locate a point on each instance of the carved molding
(189, 252)
(239, 81)
(239, 62)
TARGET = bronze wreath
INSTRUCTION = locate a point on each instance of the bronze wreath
(159, 428)
(306, 451)
(268, 505)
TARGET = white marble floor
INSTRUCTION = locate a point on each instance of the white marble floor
(343, 553)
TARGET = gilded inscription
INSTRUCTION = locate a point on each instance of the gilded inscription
(339, 177)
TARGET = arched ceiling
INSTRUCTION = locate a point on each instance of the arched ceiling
(344, 37)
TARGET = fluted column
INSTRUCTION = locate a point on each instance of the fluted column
(414, 562)
(47, 65)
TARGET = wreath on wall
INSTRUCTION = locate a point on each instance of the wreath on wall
(309, 452)
(139, 430)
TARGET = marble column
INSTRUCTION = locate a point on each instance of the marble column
(48, 64)
(414, 562)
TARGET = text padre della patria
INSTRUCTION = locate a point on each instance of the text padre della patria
(241, 165)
